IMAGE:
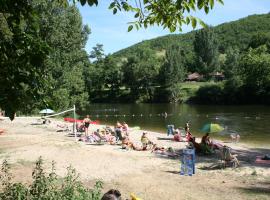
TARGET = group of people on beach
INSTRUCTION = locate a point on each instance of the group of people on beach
(118, 135)
(209, 146)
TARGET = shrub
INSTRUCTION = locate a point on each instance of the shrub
(47, 187)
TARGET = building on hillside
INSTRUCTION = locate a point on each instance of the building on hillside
(218, 76)
(194, 77)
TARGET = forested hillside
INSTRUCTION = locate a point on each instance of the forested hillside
(237, 34)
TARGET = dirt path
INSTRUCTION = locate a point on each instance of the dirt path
(148, 176)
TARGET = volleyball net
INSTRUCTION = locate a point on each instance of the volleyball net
(74, 130)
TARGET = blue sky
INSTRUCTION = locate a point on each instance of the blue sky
(111, 30)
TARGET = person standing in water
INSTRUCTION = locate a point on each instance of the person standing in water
(86, 122)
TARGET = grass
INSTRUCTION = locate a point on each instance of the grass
(189, 89)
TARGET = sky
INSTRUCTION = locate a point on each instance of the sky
(111, 30)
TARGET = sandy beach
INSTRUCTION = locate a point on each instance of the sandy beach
(146, 174)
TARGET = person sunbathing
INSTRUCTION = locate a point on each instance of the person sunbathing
(110, 138)
(206, 144)
(127, 144)
(145, 141)
(195, 145)
(227, 156)
(177, 137)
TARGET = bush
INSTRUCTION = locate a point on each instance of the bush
(210, 94)
(47, 187)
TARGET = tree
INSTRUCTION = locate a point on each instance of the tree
(231, 65)
(23, 52)
(206, 50)
(140, 73)
(97, 52)
(259, 39)
(67, 36)
(255, 66)
(173, 70)
(169, 14)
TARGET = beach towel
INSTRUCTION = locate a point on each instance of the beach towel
(166, 154)
(260, 160)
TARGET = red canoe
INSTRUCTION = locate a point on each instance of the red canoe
(79, 120)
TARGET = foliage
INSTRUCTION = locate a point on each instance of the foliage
(169, 14)
(66, 35)
(23, 52)
(255, 66)
(174, 68)
(231, 64)
(42, 56)
(45, 186)
(206, 50)
(140, 72)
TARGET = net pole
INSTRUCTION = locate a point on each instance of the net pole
(74, 125)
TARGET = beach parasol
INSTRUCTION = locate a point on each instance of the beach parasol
(212, 128)
(46, 111)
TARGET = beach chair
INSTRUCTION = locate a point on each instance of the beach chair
(227, 158)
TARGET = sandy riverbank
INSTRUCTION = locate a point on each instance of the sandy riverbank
(144, 173)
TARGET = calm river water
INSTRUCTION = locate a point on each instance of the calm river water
(251, 122)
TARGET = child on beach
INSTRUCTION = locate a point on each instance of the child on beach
(145, 141)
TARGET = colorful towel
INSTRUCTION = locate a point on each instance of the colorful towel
(259, 160)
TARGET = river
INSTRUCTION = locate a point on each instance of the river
(250, 122)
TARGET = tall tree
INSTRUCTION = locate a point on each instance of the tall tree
(97, 53)
(62, 28)
(255, 66)
(22, 55)
(140, 73)
(173, 70)
(231, 65)
(206, 50)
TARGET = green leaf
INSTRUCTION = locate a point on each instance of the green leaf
(187, 20)
(83, 2)
(130, 28)
(137, 15)
(92, 2)
(193, 22)
(172, 29)
(221, 1)
(114, 10)
(204, 25)
(112, 5)
(200, 4)
(211, 3)
(206, 9)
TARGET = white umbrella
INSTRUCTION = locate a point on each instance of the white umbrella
(46, 111)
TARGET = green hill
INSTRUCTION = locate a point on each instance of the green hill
(237, 33)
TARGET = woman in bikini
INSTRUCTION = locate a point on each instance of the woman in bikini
(86, 122)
